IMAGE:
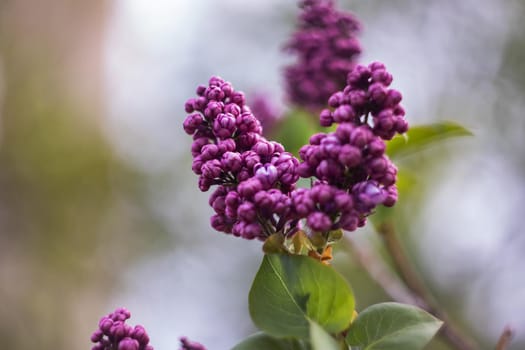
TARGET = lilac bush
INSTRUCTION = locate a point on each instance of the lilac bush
(299, 207)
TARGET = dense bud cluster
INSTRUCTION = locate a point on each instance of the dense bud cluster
(326, 48)
(115, 334)
(254, 175)
(367, 96)
(354, 174)
(190, 345)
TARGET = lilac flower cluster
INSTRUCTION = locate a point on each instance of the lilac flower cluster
(190, 345)
(115, 334)
(326, 46)
(353, 173)
(254, 176)
(367, 95)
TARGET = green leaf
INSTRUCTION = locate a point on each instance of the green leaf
(262, 341)
(290, 290)
(320, 339)
(392, 326)
(420, 136)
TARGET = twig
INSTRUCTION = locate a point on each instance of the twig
(409, 276)
(505, 338)
(379, 272)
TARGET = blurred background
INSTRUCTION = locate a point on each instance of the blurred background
(99, 207)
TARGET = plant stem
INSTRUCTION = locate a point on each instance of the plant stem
(505, 338)
(379, 271)
(409, 276)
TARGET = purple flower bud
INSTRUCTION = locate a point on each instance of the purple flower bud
(227, 145)
(344, 113)
(329, 169)
(197, 145)
(97, 336)
(266, 174)
(247, 212)
(232, 109)
(344, 201)
(264, 148)
(128, 344)
(139, 333)
(224, 126)
(381, 76)
(376, 147)
(348, 222)
(213, 109)
(220, 223)
(200, 90)
(249, 187)
(319, 222)
(302, 202)
(349, 156)
(105, 325)
(211, 169)
(214, 93)
(393, 98)
(377, 93)
(231, 161)
(250, 159)
(360, 136)
(246, 122)
(192, 122)
(205, 183)
(335, 100)
(209, 152)
(326, 118)
(197, 165)
(246, 141)
(238, 98)
(188, 106)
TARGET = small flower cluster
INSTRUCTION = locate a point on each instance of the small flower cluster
(253, 175)
(190, 345)
(326, 46)
(115, 334)
(353, 173)
(367, 95)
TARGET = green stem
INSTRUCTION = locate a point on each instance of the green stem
(411, 279)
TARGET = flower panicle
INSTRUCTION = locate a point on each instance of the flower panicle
(114, 334)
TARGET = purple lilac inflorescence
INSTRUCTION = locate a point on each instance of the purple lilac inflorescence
(186, 344)
(253, 176)
(115, 334)
(353, 173)
(326, 48)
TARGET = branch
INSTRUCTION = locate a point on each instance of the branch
(409, 276)
(380, 273)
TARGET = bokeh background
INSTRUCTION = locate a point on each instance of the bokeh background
(99, 207)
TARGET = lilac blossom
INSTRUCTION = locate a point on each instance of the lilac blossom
(114, 334)
(367, 99)
(326, 47)
(253, 176)
(350, 164)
